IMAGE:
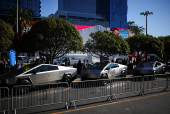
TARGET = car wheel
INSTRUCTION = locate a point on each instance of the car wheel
(67, 78)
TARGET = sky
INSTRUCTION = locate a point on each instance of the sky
(158, 24)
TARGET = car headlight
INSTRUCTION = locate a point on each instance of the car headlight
(154, 71)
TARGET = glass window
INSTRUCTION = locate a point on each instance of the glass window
(52, 67)
(41, 68)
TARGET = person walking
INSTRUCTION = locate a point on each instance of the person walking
(79, 67)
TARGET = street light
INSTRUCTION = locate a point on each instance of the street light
(146, 14)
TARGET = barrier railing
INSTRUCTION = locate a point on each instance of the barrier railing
(121, 86)
(27, 96)
(153, 82)
(91, 89)
(4, 99)
(168, 81)
(39, 95)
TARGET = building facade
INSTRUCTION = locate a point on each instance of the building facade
(108, 13)
(33, 5)
(81, 12)
(115, 12)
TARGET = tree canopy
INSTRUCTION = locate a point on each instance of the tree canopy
(24, 16)
(105, 44)
(146, 43)
(166, 41)
(55, 35)
(135, 28)
(6, 35)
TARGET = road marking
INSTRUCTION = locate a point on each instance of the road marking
(110, 103)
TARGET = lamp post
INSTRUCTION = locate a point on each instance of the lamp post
(146, 14)
(17, 19)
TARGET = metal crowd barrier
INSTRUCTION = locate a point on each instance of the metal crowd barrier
(39, 95)
(27, 96)
(91, 89)
(4, 99)
(153, 82)
(168, 81)
(120, 86)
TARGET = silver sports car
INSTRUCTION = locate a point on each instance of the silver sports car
(38, 74)
(104, 71)
(149, 68)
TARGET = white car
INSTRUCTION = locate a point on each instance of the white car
(38, 74)
(22, 59)
(104, 71)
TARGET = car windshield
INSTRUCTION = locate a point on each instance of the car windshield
(146, 64)
(62, 58)
(18, 71)
(97, 66)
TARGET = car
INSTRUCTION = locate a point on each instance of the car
(104, 71)
(38, 74)
(149, 68)
(22, 59)
(168, 62)
(119, 60)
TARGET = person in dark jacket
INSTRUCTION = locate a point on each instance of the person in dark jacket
(79, 67)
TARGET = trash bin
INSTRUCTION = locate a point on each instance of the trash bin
(11, 54)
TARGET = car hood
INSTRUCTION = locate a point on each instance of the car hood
(143, 68)
(89, 71)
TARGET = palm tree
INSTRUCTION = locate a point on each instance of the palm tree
(24, 16)
(135, 29)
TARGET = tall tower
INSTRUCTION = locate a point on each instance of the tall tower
(115, 11)
(33, 5)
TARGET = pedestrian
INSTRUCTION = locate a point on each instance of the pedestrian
(79, 67)
(47, 60)
(87, 63)
(1, 67)
(66, 62)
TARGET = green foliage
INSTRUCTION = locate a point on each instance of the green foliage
(56, 35)
(146, 43)
(135, 29)
(105, 44)
(166, 41)
(6, 35)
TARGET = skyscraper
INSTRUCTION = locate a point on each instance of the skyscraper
(115, 12)
(82, 6)
(33, 5)
(108, 13)
(81, 12)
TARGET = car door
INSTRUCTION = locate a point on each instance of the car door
(40, 75)
(110, 70)
(116, 70)
(53, 73)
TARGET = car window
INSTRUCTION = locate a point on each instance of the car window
(97, 66)
(41, 68)
(52, 68)
(31, 71)
(110, 66)
(19, 58)
(115, 65)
